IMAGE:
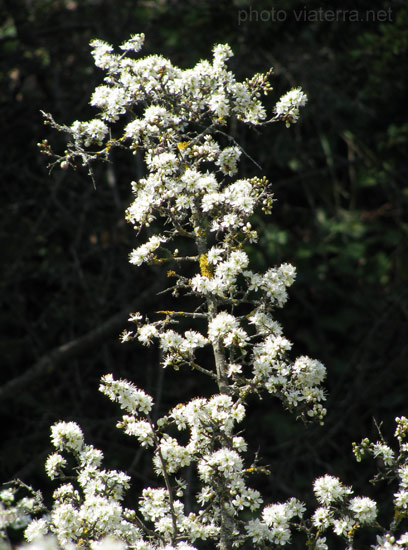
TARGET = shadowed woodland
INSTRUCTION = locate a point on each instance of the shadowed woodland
(340, 216)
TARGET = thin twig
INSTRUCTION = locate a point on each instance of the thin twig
(230, 138)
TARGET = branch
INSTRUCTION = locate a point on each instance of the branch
(60, 355)
(193, 315)
(166, 480)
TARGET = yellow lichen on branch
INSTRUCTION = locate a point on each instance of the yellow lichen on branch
(182, 145)
(205, 269)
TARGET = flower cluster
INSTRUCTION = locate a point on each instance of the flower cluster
(17, 512)
(394, 467)
(177, 122)
(288, 106)
(144, 253)
(274, 527)
(130, 398)
(91, 509)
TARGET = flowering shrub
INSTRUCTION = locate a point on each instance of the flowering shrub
(190, 199)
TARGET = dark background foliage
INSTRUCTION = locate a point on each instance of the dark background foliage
(340, 216)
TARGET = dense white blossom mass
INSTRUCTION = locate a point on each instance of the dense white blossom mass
(191, 198)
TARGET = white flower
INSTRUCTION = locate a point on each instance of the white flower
(228, 270)
(175, 456)
(329, 489)
(274, 282)
(54, 465)
(184, 546)
(138, 428)
(222, 52)
(228, 159)
(276, 515)
(66, 493)
(222, 324)
(257, 531)
(240, 197)
(239, 444)
(224, 461)
(207, 151)
(214, 255)
(92, 131)
(157, 116)
(308, 372)
(154, 503)
(274, 288)
(385, 452)
(237, 337)
(144, 253)
(248, 108)
(7, 496)
(67, 523)
(111, 100)
(211, 200)
(134, 129)
(274, 346)
(289, 104)
(320, 544)
(135, 317)
(164, 163)
(226, 327)
(37, 529)
(67, 435)
(126, 394)
(178, 117)
(364, 509)
(403, 540)
(287, 274)
(322, 518)
(234, 369)
(102, 513)
(126, 336)
(343, 525)
(295, 507)
(101, 53)
(192, 340)
(135, 43)
(403, 475)
(146, 333)
(386, 542)
(280, 534)
(264, 323)
(222, 410)
(401, 499)
(170, 340)
(218, 104)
